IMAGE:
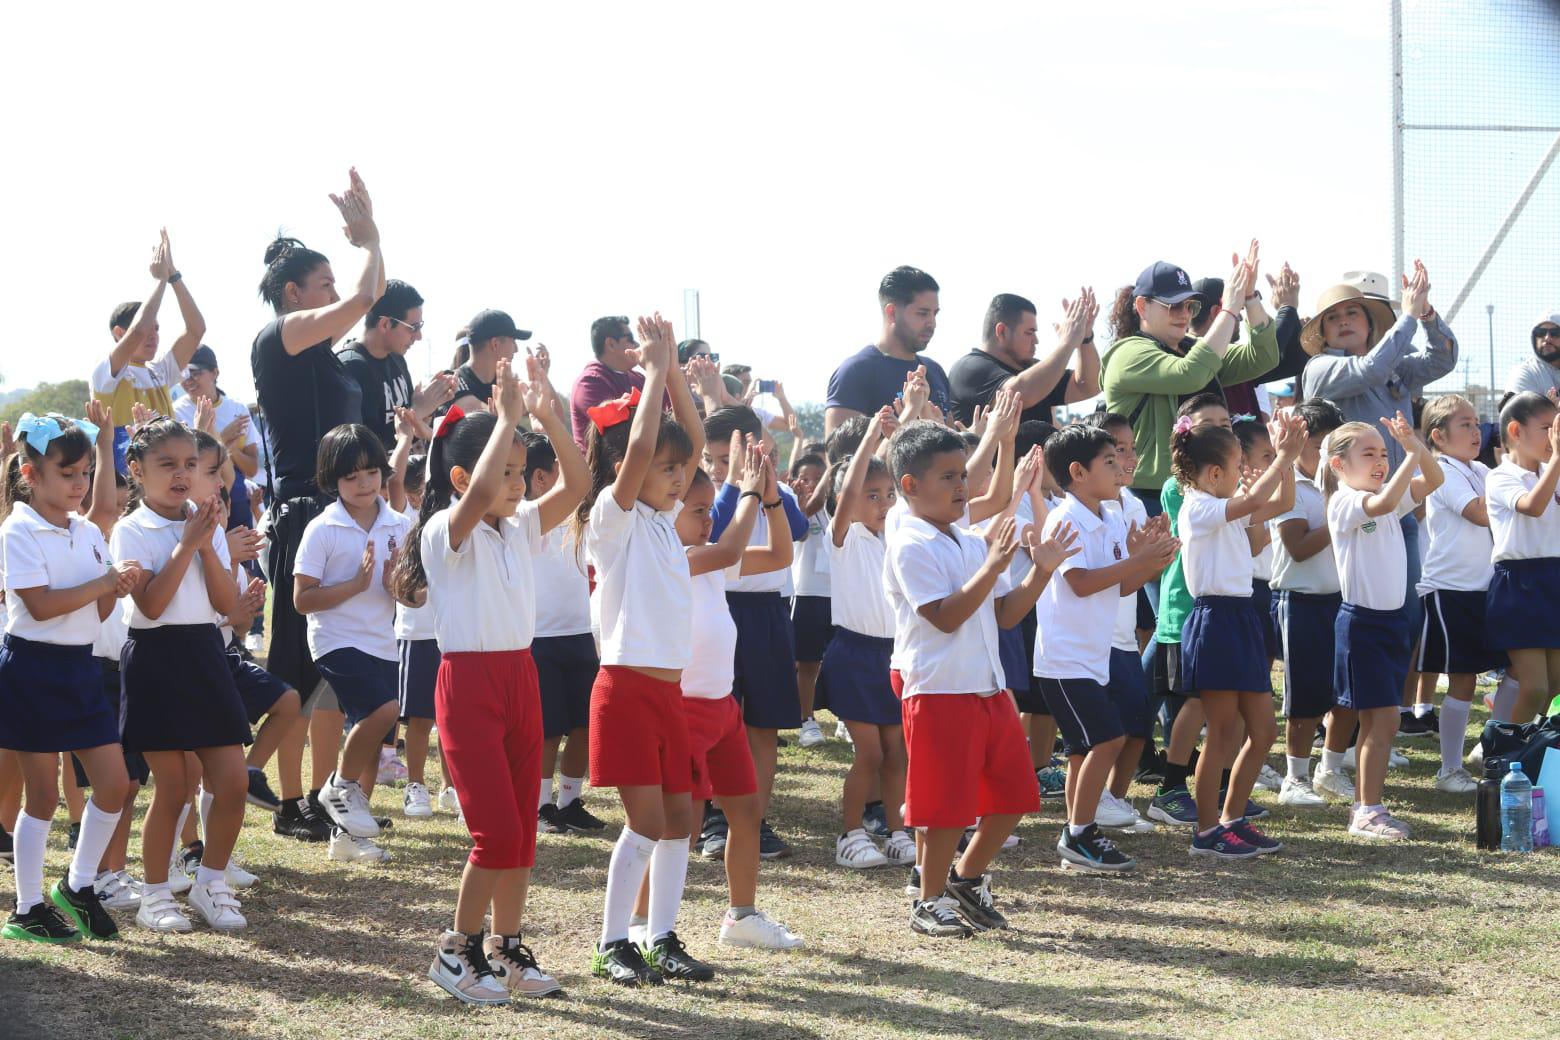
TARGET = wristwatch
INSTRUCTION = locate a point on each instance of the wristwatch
(1256, 294)
(174, 278)
(774, 505)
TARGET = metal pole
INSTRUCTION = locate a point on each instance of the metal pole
(1397, 142)
(691, 328)
(1489, 310)
(1505, 228)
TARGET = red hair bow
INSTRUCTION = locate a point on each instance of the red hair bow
(608, 414)
(446, 422)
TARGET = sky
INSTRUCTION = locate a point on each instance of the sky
(572, 161)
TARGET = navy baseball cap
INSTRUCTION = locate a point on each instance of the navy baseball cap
(488, 324)
(1209, 291)
(1164, 281)
(204, 357)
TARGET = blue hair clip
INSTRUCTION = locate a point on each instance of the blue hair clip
(1242, 417)
(39, 430)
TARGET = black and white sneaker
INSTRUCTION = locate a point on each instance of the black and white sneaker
(770, 844)
(189, 856)
(913, 886)
(939, 918)
(41, 924)
(547, 820)
(621, 962)
(712, 835)
(7, 847)
(1411, 725)
(576, 818)
(298, 819)
(461, 968)
(1092, 851)
(74, 836)
(974, 898)
(671, 958)
(84, 909)
(874, 820)
(260, 793)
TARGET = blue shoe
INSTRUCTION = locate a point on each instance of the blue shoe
(1255, 838)
(1175, 807)
(1052, 781)
(875, 821)
(1222, 843)
(1091, 851)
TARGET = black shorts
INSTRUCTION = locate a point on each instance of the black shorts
(1085, 714)
(257, 688)
(566, 668)
(1452, 636)
(812, 624)
(135, 762)
(288, 658)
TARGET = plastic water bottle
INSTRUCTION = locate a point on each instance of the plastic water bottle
(1516, 811)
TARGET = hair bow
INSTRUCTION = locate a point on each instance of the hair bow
(445, 424)
(39, 430)
(1183, 424)
(1242, 417)
(608, 414)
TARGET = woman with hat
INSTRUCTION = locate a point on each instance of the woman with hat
(1541, 372)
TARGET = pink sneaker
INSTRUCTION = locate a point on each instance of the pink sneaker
(1378, 826)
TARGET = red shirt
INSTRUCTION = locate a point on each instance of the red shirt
(598, 383)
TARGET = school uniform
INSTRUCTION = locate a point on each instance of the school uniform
(1454, 580)
(486, 700)
(968, 756)
(1524, 596)
(1222, 644)
(353, 643)
(564, 649)
(178, 690)
(812, 619)
(854, 675)
(1305, 609)
(1016, 645)
(1262, 597)
(110, 641)
(417, 647)
(720, 762)
(644, 602)
(1072, 653)
(51, 695)
(766, 651)
(1128, 686)
(1370, 659)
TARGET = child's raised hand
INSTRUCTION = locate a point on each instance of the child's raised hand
(364, 579)
(749, 461)
(736, 461)
(125, 574)
(408, 426)
(253, 599)
(1402, 431)
(1291, 434)
(140, 415)
(387, 576)
(162, 257)
(244, 544)
(1554, 440)
(95, 412)
(771, 488)
(1005, 410)
(200, 524)
(508, 396)
(1028, 471)
(1049, 553)
(654, 350)
(1001, 540)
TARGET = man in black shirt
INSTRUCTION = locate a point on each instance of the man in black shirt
(493, 339)
(377, 363)
(1006, 359)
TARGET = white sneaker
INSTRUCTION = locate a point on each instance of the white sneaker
(1381, 826)
(461, 968)
(391, 769)
(842, 732)
(1269, 780)
(254, 642)
(1299, 793)
(515, 967)
(236, 875)
(344, 802)
(346, 847)
(161, 914)
(416, 804)
(1351, 760)
(811, 735)
(757, 931)
(219, 906)
(449, 801)
(1476, 756)
(1456, 781)
(1396, 759)
(856, 851)
(178, 881)
(899, 849)
(1333, 784)
(1114, 813)
(117, 890)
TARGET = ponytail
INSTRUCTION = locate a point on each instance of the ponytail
(461, 446)
(1335, 446)
(604, 452)
(13, 486)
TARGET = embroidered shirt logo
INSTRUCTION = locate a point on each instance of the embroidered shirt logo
(1116, 549)
(1368, 526)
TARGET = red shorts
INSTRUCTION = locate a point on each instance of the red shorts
(718, 748)
(489, 711)
(638, 733)
(968, 758)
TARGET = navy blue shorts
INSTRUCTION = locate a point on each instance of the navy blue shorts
(179, 693)
(1016, 665)
(1523, 603)
(51, 698)
(1306, 628)
(1262, 599)
(257, 688)
(812, 623)
(135, 762)
(1129, 692)
(1223, 647)
(854, 678)
(566, 668)
(765, 680)
(362, 682)
(1370, 661)
(1085, 715)
(418, 671)
(1453, 639)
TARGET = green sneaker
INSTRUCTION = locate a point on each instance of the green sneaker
(41, 924)
(621, 962)
(85, 909)
(671, 958)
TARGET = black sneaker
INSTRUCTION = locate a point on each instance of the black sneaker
(939, 918)
(385, 822)
(1433, 720)
(298, 819)
(1254, 811)
(547, 820)
(75, 835)
(1151, 767)
(913, 886)
(260, 793)
(41, 924)
(770, 844)
(191, 855)
(7, 848)
(575, 817)
(875, 820)
(85, 910)
(1411, 725)
(671, 958)
(621, 962)
(974, 898)
(1091, 851)
(712, 834)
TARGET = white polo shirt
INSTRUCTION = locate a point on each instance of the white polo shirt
(768, 581)
(149, 539)
(331, 551)
(1318, 575)
(1124, 637)
(860, 604)
(1071, 631)
(483, 593)
(39, 555)
(814, 557)
(1459, 556)
(644, 593)
(1372, 559)
(924, 565)
(227, 409)
(1215, 552)
(563, 589)
(412, 623)
(711, 661)
(1516, 535)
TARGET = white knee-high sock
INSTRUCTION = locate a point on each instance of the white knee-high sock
(569, 788)
(178, 828)
(1505, 700)
(545, 794)
(1454, 728)
(32, 835)
(206, 798)
(630, 857)
(97, 828)
(668, 874)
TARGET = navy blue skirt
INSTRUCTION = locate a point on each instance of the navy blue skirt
(854, 677)
(1307, 625)
(179, 693)
(1223, 646)
(1523, 604)
(812, 624)
(51, 698)
(135, 762)
(1262, 599)
(1370, 661)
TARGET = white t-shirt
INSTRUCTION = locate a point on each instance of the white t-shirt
(39, 555)
(1215, 551)
(924, 565)
(1459, 554)
(1070, 640)
(483, 594)
(643, 589)
(150, 539)
(711, 662)
(227, 410)
(563, 590)
(331, 551)
(769, 581)
(413, 623)
(1516, 535)
(1319, 574)
(1372, 559)
(861, 604)
(810, 566)
(1124, 637)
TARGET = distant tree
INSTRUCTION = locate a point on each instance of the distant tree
(810, 415)
(67, 398)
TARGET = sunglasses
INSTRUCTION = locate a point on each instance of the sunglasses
(1191, 308)
(1547, 330)
(415, 326)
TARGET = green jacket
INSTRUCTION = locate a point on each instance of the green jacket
(1175, 602)
(1139, 375)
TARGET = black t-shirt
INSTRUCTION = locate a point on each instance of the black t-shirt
(386, 384)
(467, 383)
(303, 397)
(976, 377)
